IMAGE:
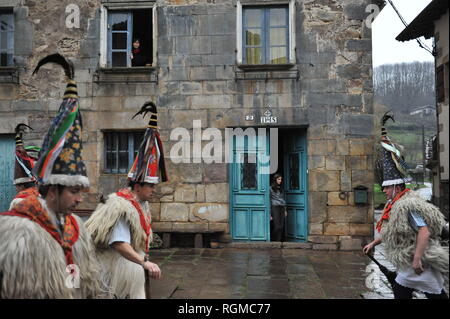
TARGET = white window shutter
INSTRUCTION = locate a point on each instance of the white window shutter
(103, 36)
(292, 44)
(155, 34)
(239, 32)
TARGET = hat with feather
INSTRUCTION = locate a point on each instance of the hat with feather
(395, 169)
(24, 159)
(60, 159)
(149, 165)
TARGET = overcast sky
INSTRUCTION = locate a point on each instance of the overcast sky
(387, 26)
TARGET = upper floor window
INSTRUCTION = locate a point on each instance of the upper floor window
(130, 38)
(120, 150)
(266, 35)
(127, 34)
(6, 38)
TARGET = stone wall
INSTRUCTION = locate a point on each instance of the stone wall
(328, 89)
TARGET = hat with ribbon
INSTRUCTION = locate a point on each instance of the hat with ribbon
(60, 159)
(24, 159)
(149, 165)
(395, 169)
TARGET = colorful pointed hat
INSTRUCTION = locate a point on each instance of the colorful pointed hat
(24, 160)
(395, 170)
(149, 165)
(60, 161)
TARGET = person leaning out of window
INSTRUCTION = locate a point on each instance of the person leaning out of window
(278, 207)
(137, 55)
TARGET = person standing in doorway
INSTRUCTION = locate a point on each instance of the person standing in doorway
(278, 207)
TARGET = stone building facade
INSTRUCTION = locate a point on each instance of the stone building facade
(199, 68)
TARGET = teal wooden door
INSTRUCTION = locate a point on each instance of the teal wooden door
(249, 182)
(7, 189)
(295, 185)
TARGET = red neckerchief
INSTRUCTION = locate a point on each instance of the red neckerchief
(387, 208)
(128, 195)
(136, 51)
(31, 191)
(32, 209)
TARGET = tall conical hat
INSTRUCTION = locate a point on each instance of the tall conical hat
(60, 160)
(149, 165)
(24, 161)
(395, 169)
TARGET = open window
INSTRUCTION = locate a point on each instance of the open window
(121, 27)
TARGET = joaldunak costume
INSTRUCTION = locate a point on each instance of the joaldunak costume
(399, 237)
(38, 258)
(125, 277)
(24, 163)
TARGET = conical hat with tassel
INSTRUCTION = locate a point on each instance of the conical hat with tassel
(149, 164)
(60, 159)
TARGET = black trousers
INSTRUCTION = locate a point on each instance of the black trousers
(401, 292)
(278, 218)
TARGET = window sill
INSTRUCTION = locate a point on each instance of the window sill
(9, 74)
(144, 74)
(265, 67)
(266, 72)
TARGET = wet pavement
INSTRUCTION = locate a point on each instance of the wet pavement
(226, 273)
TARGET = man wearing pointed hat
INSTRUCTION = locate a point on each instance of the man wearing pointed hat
(121, 228)
(410, 228)
(45, 251)
(24, 180)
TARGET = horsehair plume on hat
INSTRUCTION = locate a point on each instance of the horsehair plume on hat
(57, 59)
(149, 165)
(67, 65)
(384, 119)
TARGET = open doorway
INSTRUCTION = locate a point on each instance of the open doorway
(292, 166)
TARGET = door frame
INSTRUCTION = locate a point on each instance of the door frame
(231, 146)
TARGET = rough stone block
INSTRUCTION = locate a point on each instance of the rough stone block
(185, 193)
(219, 227)
(361, 229)
(361, 147)
(358, 45)
(215, 172)
(316, 229)
(209, 212)
(347, 214)
(216, 193)
(162, 227)
(356, 163)
(346, 181)
(351, 244)
(318, 211)
(363, 177)
(324, 181)
(166, 199)
(174, 212)
(200, 193)
(338, 229)
(335, 200)
(335, 163)
(316, 162)
(323, 239)
(190, 227)
(155, 210)
(322, 147)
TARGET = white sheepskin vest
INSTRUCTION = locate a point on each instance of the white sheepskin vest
(399, 238)
(124, 277)
(33, 265)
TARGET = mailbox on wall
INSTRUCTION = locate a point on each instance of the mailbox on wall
(361, 195)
